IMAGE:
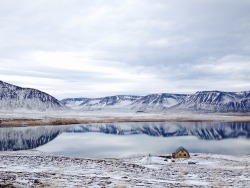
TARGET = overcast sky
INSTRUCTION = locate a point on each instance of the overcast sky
(83, 48)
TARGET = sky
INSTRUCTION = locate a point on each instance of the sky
(82, 48)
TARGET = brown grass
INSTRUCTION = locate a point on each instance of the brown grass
(21, 122)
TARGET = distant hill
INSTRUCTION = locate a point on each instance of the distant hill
(157, 102)
(74, 103)
(104, 103)
(216, 101)
(17, 98)
(152, 102)
(201, 101)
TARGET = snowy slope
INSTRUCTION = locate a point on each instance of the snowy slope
(201, 101)
(118, 102)
(216, 101)
(152, 102)
(157, 102)
(15, 98)
(74, 103)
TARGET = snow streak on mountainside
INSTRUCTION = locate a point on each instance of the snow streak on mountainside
(157, 102)
(74, 103)
(152, 102)
(15, 98)
(112, 102)
(216, 101)
(202, 101)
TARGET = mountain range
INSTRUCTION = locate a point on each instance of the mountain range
(201, 101)
(152, 102)
(16, 98)
(216, 101)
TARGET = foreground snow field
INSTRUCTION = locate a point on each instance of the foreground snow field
(35, 169)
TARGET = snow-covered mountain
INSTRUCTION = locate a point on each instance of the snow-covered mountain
(17, 98)
(216, 101)
(109, 103)
(157, 102)
(201, 101)
(152, 102)
(74, 103)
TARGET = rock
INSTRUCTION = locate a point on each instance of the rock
(191, 162)
(36, 181)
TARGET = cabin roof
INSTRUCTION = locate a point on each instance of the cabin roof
(181, 149)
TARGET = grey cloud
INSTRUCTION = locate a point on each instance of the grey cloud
(55, 73)
(205, 28)
(170, 40)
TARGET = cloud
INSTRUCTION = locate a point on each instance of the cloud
(95, 48)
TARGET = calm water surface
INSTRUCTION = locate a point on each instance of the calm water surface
(130, 139)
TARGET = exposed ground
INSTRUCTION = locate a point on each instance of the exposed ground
(11, 119)
(35, 169)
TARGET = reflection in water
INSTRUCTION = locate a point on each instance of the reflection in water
(202, 130)
(21, 138)
(128, 139)
(103, 145)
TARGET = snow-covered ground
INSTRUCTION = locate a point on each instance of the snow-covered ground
(36, 169)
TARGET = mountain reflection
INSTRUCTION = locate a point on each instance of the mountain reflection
(32, 137)
(202, 130)
(12, 139)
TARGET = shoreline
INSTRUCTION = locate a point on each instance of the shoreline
(10, 122)
(39, 119)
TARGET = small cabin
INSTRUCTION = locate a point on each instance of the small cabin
(181, 152)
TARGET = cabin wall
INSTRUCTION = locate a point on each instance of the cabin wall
(181, 154)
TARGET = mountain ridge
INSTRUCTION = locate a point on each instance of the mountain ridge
(216, 101)
(201, 101)
(13, 97)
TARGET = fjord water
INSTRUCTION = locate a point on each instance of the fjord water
(130, 139)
